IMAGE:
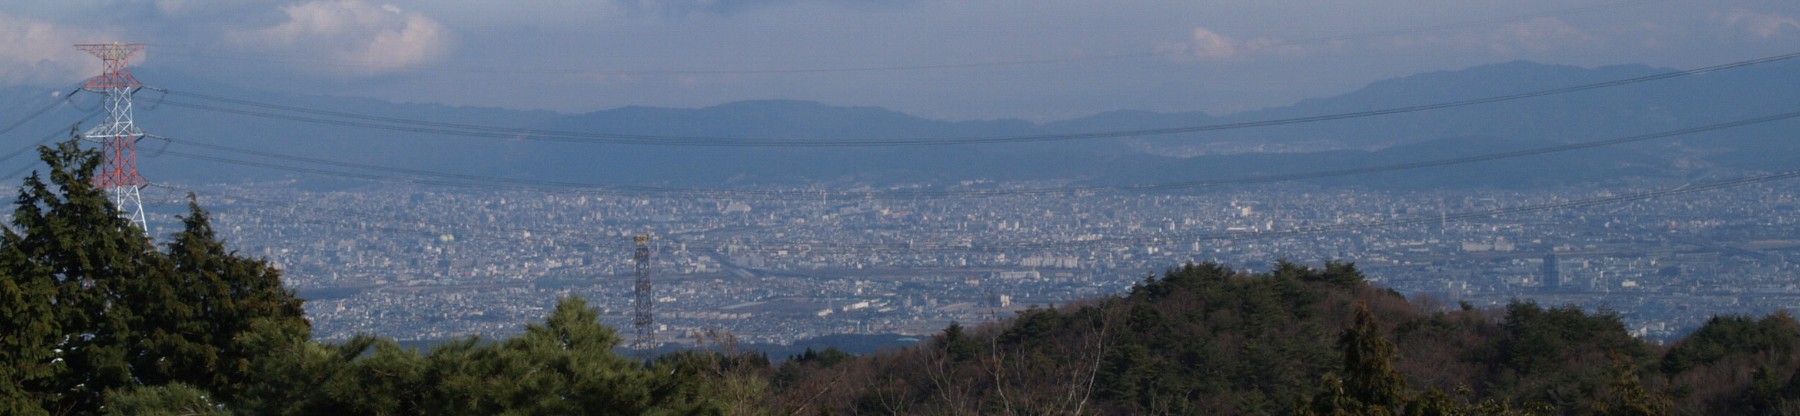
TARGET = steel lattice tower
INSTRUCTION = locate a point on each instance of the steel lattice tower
(118, 135)
(642, 318)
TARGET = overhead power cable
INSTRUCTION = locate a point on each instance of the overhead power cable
(15, 174)
(515, 133)
(64, 99)
(445, 178)
(177, 50)
(585, 239)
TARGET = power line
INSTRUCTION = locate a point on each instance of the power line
(625, 190)
(39, 142)
(64, 99)
(317, 61)
(514, 133)
(579, 239)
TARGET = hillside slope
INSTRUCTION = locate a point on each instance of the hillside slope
(1205, 339)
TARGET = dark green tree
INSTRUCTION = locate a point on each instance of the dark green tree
(1729, 335)
(1369, 384)
(1369, 374)
(565, 365)
(96, 308)
(956, 344)
(213, 296)
(1627, 395)
(75, 263)
(175, 399)
(28, 351)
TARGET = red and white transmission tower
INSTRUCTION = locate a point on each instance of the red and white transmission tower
(118, 134)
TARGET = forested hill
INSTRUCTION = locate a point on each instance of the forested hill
(1205, 339)
(95, 319)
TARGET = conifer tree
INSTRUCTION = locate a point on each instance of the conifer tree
(1369, 374)
(75, 261)
(222, 294)
(1369, 384)
(96, 308)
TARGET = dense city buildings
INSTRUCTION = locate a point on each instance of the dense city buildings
(771, 266)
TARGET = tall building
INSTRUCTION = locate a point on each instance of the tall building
(1552, 273)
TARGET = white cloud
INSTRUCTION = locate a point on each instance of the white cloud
(37, 52)
(354, 37)
(194, 7)
(1761, 25)
(1206, 44)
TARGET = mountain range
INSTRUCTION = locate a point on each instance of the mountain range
(290, 137)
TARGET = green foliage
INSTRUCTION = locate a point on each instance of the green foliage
(217, 296)
(1370, 380)
(174, 399)
(1539, 338)
(720, 381)
(1204, 339)
(565, 365)
(1199, 339)
(1559, 356)
(830, 356)
(74, 262)
(1724, 336)
(1627, 395)
(955, 344)
(97, 308)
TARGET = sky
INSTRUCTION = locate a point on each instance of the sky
(1038, 60)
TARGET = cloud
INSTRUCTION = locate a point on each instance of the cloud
(732, 7)
(37, 52)
(1761, 25)
(355, 37)
(202, 7)
(1208, 45)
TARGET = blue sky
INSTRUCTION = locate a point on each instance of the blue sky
(948, 59)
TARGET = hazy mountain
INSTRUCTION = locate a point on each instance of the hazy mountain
(291, 139)
(763, 121)
(1576, 116)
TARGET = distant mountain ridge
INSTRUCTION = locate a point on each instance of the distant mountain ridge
(1563, 118)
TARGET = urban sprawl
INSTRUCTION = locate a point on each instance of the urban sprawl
(776, 266)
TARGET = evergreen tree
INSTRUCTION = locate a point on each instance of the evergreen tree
(1369, 374)
(1369, 385)
(217, 296)
(956, 345)
(74, 261)
(174, 399)
(1627, 395)
(565, 365)
(91, 306)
